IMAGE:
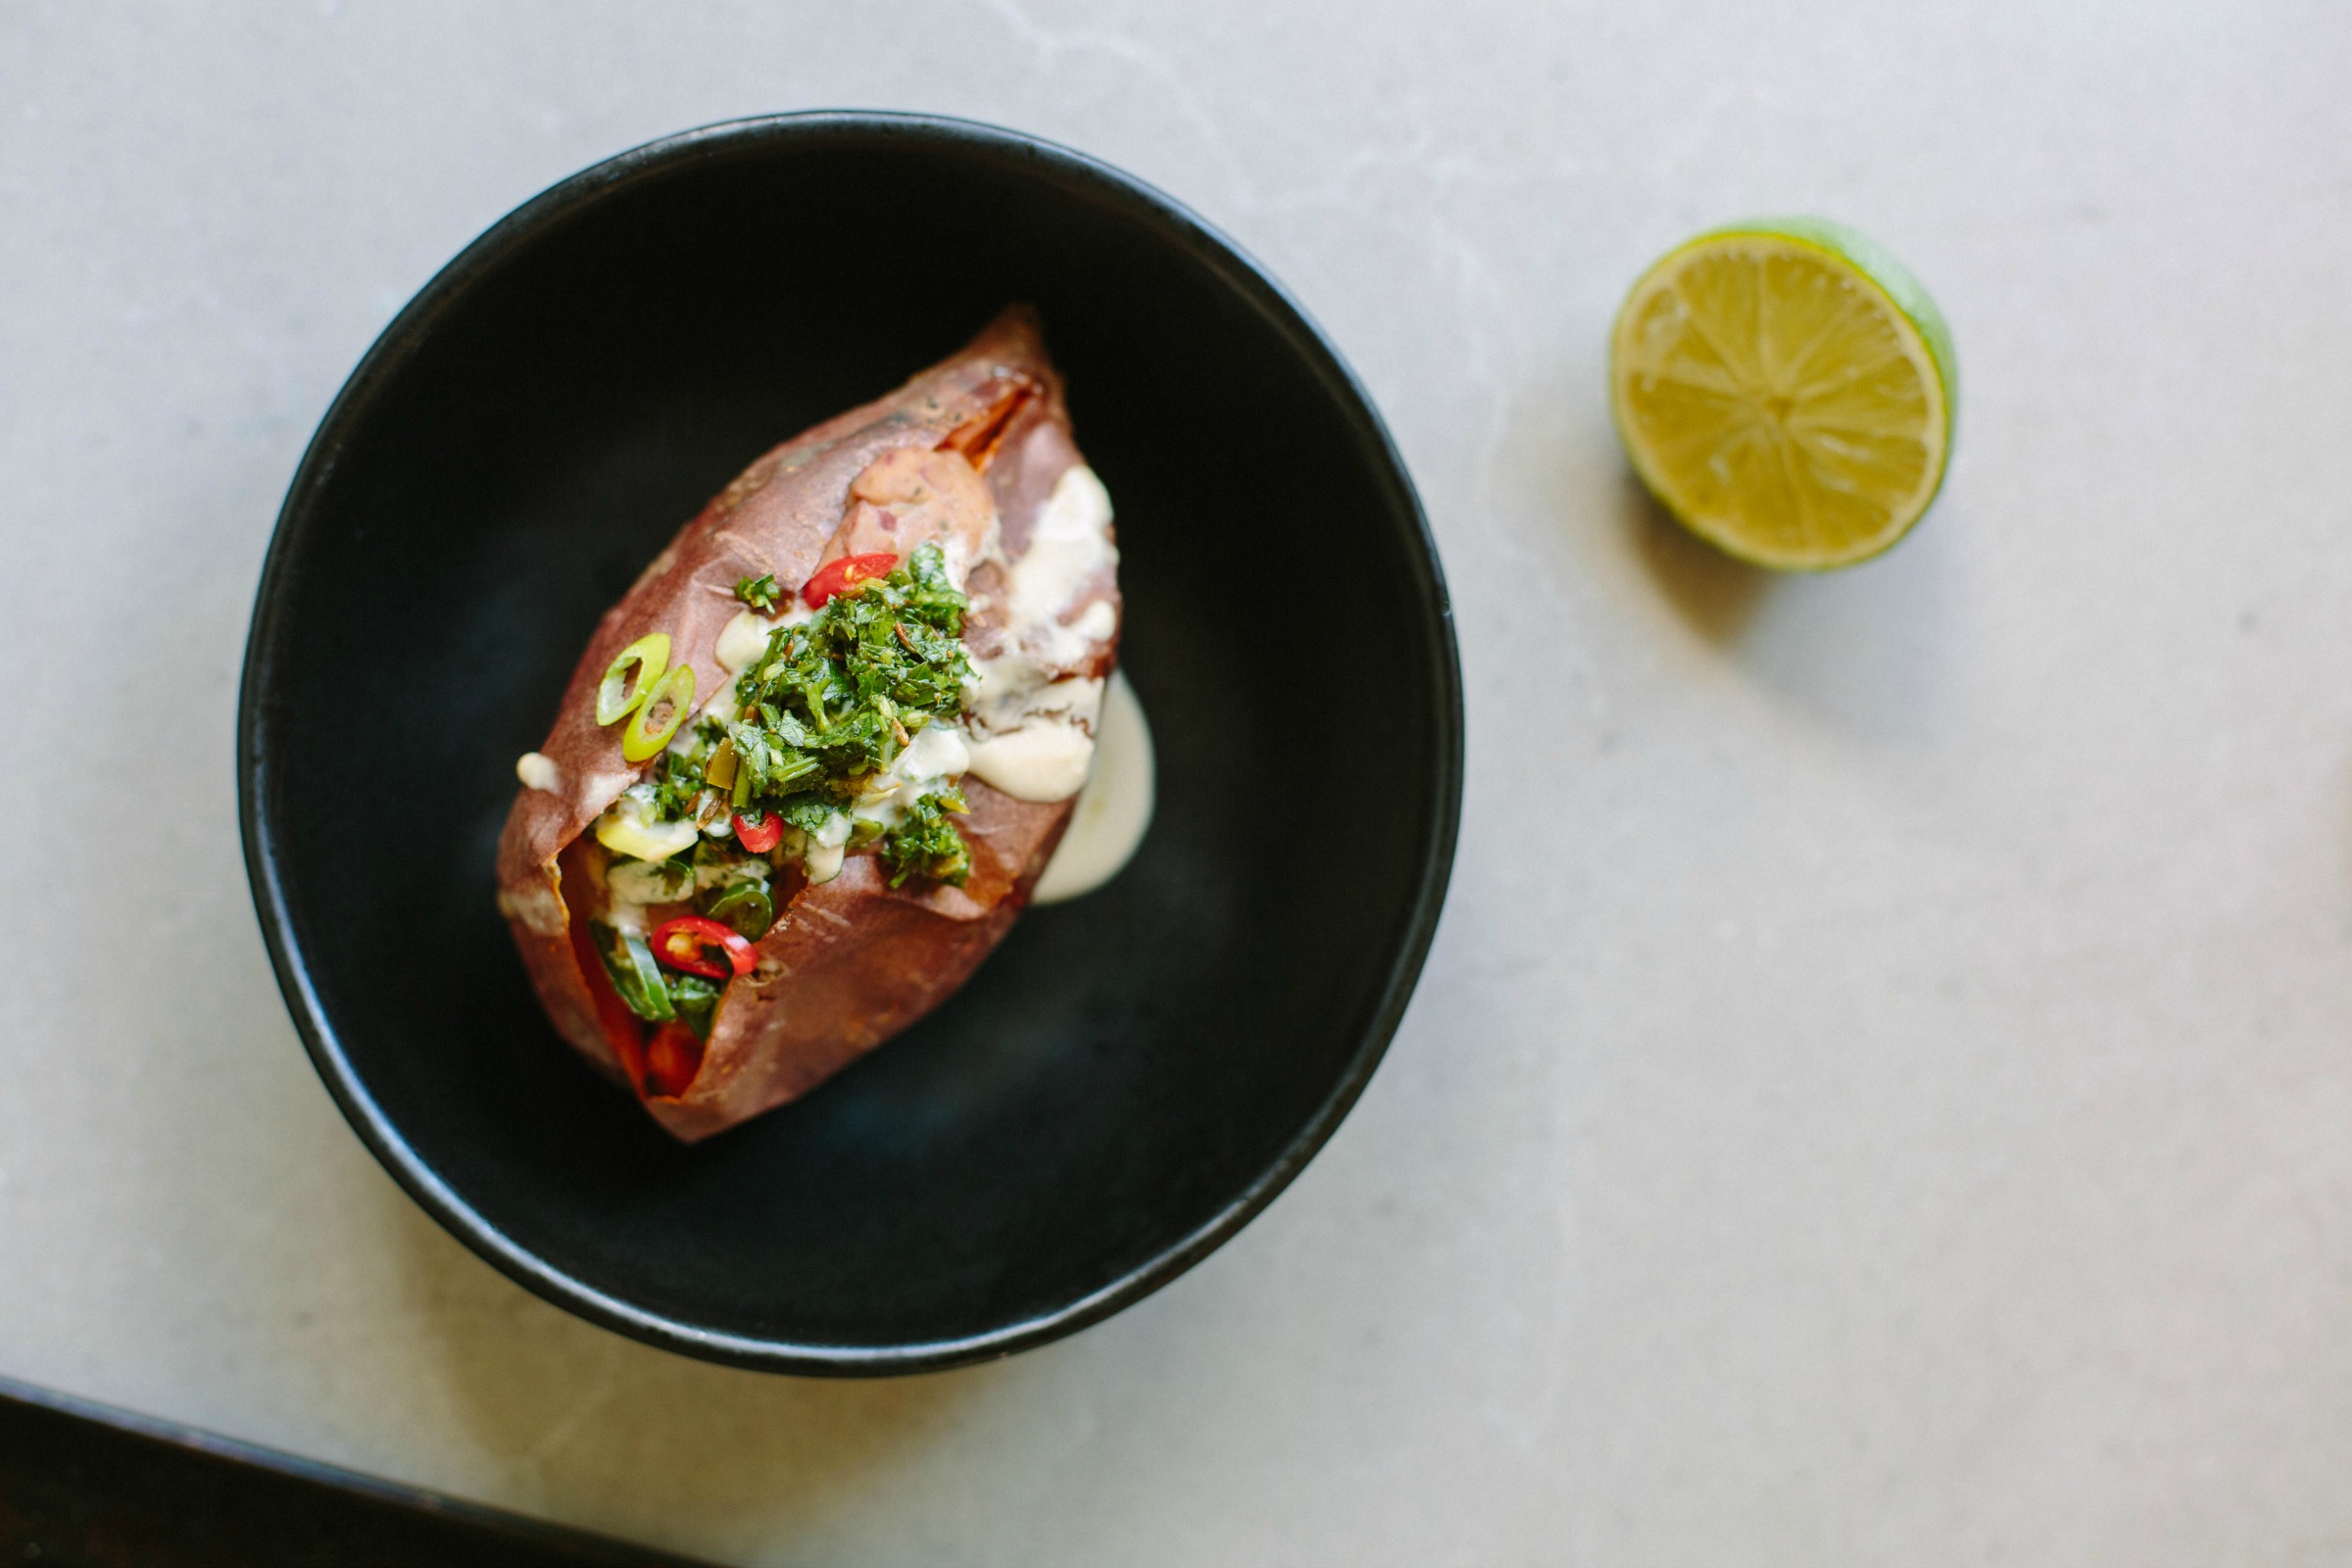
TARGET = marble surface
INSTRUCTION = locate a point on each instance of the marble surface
(1880, 1091)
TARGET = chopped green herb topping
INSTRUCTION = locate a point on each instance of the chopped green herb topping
(926, 844)
(830, 703)
(677, 778)
(834, 699)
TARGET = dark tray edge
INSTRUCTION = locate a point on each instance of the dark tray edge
(245, 1474)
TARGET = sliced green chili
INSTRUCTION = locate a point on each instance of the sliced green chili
(746, 905)
(646, 657)
(629, 960)
(697, 1000)
(665, 709)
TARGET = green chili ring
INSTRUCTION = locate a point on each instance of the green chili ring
(629, 960)
(674, 691)
(746, 906)
(647, 657)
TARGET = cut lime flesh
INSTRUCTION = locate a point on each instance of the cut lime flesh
(1786, 390)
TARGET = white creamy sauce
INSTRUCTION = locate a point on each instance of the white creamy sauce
(538, 771)
(718, 873)
(1113, 809)
(827, 848)
(1010, 690)
(1034, 741)
(1041, 761)
(650, 882)
(722, 709)
(607, 783)
(938, 751)
(1067, 548)
(1032, 724)
(742, 640)
(745, 638)
(932, 761)
(958, 557)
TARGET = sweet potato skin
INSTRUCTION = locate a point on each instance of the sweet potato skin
(850, 963)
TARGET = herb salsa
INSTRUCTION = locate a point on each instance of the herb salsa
(838, 733)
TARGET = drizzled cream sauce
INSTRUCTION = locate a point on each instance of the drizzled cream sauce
(933, 761)
(1032, 722)
(1113, 809)
(1047, 744)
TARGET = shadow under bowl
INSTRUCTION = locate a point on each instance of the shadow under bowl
(1131, 1076)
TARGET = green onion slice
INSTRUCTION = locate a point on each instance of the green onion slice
(646, 657)
(659, 716)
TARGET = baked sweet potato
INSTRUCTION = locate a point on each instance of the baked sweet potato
(973, 458)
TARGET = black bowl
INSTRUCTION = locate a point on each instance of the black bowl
(1131, 1076)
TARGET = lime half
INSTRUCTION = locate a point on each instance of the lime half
(1785, 389)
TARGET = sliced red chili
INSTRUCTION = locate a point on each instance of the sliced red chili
(672, 1060)
(760, 833)
(844, 572)
(686, 942)
(623, 1032)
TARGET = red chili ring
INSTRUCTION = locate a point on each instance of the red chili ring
(844, 572)
(762, 836)
(699, 934)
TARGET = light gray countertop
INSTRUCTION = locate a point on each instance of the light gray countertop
(1880, 1092)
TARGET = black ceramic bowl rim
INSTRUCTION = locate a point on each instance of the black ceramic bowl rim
(1179, 226)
